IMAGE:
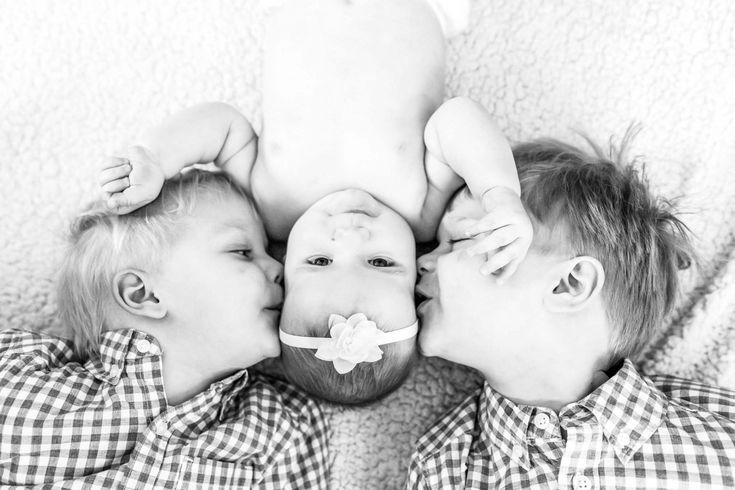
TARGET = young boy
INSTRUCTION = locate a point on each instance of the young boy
(357, 152)
(562, 406)
(169, 306)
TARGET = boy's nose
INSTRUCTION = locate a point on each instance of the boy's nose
(273, 270)
(426, 263)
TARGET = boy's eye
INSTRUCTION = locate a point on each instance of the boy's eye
(320, 261)
(454, 241)
(244, 252)
(381, 262)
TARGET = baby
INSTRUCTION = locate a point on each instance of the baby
(169, 306)
(562, 405)
(356, 160)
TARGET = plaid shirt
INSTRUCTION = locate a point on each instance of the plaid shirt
(106, 424)
(626, 434)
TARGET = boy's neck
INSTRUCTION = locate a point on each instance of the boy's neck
(183, 381)
(187, 371)
(554, 395)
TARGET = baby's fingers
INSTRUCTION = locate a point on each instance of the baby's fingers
(495, 240)
(506, 259)
(507, 271)
(496, 262)
(114, 173)
(116, 185)
(111, 162)
(128, 201)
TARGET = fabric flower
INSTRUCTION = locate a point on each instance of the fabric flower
(354, 340)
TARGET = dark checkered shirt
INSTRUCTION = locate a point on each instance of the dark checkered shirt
(106, 424)
(627, 434)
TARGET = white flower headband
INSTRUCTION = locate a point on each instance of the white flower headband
(353, 340)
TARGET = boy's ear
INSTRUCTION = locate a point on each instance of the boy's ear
(578, 281)
(133, 292)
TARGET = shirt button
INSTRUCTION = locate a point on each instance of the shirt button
(517, 451)
(541, 421)
(623, 439)
(161, 428)
(581, 482)
(114, 371)
(143, 346)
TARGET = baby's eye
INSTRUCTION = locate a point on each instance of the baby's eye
(381, 262)
(320, 261)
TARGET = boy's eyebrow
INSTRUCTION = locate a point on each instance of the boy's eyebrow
(232, 224)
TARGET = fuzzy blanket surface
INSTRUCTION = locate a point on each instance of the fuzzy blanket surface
(80, 78)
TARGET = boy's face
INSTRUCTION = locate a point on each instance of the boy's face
(219, 286)
(467, 318)
(348, 246)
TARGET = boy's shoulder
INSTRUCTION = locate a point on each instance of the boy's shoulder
(455, 429)
(277, 406)
(284, 396)
(41, 349)
(695, 396)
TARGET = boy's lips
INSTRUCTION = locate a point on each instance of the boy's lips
(421, 295)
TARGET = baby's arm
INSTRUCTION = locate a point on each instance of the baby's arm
(462, 135)
(211, 132)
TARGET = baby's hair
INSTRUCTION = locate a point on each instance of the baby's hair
(367, 382)
(603, 207)
(101, 243)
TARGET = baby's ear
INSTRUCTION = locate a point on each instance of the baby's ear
(133, 292)
(576, 283)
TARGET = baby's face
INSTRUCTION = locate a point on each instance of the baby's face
(349, 245)
(221, 289)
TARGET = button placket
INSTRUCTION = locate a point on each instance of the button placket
(581, 482)
(541, 421)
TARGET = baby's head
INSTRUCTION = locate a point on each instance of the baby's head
(599, 277)
(350, 254)
(190, 266)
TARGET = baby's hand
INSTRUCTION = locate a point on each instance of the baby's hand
(132, 181)
(508, 233)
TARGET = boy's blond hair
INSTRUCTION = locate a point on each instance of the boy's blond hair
(101, 243)
(601, 205)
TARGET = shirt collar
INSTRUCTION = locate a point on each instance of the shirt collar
(118, 347)
(504, 424)
(628, 409)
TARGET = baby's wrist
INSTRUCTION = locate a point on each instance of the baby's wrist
(499, 193)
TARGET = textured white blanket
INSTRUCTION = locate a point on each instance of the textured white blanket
(80, 78)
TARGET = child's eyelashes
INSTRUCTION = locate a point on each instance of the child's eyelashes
(319, 261)
(323, 261)
(454, 241)
(243, 252)
(381, 262)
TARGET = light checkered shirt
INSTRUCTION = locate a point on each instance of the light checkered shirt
(105, 424)
(626, 434)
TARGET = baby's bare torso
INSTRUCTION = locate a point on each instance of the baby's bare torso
(348, 87)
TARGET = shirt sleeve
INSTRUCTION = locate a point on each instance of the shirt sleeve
(27, 351)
